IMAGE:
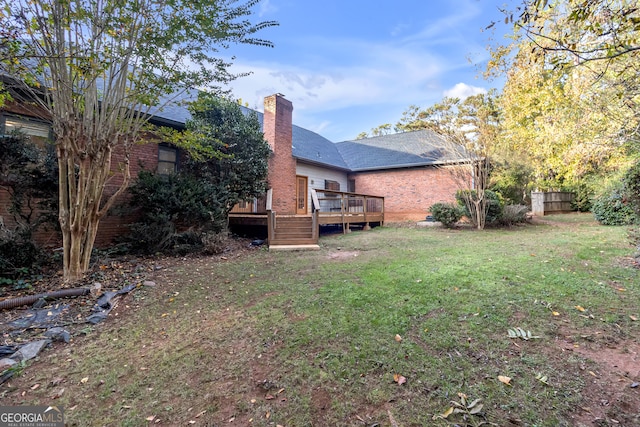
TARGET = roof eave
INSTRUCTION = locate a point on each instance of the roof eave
(325, 165)
(413, 165)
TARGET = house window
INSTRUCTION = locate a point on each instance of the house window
(331, 185)
(351, 186)
(37, 131)
(167, 160)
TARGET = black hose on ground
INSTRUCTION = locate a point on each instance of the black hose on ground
(30, 299)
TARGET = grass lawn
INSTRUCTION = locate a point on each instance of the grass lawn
(380, 328)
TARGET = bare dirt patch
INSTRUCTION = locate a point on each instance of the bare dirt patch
(342, 255)
(611, 373)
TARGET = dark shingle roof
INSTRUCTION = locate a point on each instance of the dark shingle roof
(400, 150)
(409, 149)
(307, 145)
(310, 146)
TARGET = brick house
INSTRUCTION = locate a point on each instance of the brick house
(312, 180)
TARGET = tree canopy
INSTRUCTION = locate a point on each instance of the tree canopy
(570, 102)
(98, 70)
(239, 173)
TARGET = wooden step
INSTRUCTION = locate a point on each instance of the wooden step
(293, 231)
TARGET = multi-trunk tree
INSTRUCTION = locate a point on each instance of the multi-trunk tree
(469, 129)
(99, 70)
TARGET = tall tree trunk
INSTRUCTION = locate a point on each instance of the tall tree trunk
(82, 182)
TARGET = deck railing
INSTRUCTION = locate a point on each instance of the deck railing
(348, 208)
(328, 207)
(256, 206)
(339, 201)
(324, 201)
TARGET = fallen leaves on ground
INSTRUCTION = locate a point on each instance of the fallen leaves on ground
(399, 379)
(504, 379)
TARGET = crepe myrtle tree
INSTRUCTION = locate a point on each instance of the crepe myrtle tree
(99, 70)
(468, 129)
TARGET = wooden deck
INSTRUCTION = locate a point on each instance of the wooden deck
(328, 208)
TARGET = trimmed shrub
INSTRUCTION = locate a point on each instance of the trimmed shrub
(613, 208)
(514, 214)
(446, 213)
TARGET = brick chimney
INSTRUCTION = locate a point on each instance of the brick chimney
(277, 127)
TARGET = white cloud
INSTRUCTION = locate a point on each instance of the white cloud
(324, 77)
(376, 74)
(463, 91)
(266, 8)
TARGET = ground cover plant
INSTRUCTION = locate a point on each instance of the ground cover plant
(536, 325)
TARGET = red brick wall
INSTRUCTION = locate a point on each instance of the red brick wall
(408, 193)
(277, 127)
(111, 225)
(141, 156)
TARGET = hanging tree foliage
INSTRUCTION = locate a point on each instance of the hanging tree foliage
(99, 69)
(570, 102)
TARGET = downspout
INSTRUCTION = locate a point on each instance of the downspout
(30, 299)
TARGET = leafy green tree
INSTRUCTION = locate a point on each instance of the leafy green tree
(202, 193)
(469, 128)
(579, 31)
(439, 117)
(99, 70)
(570, 103)
(239, 173)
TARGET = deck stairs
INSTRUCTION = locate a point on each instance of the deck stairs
(293, 232)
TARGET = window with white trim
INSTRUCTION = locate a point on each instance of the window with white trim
(39, 132)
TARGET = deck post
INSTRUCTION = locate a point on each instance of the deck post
(365, 204)
(343, 210)
(271, 225)
(316, 227)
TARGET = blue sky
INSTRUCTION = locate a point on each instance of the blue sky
(351, 65)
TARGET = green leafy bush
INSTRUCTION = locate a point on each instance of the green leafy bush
(164, 203)
(28, 174)
(631, 185)
(613, 207)
(513, 181)
(18, 254)
(446, 213)
(582, 202)
(495, 204)
(200, 195)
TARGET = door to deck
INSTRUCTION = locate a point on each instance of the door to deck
(301, 195)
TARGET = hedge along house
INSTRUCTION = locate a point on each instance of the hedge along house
(312, 180)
